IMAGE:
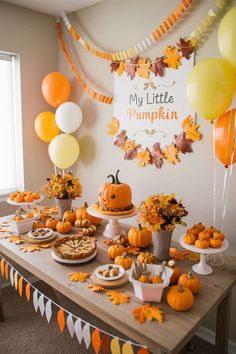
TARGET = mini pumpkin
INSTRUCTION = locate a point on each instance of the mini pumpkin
(176, 272)
(204, 235)
(28, 198)
(219, 235)
(36, 195)
(43, 216)
(70, 215)
(199, 226)
(189, 239)
(144, 278)
(18, 218)
(156, 279)
(115, 250)
(139, 237)
(193, 231)
(81, 213)
(124, 261)
(19, 198)
(38, 224)
(211, 230)
(202, 243)
(180, 298)
(51, 223)
(147, 257)
(64, 227)
(191, 282)
(215, 242)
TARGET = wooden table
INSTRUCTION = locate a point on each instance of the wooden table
(167, 337)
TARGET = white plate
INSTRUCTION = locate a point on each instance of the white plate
(72, 261)
(35, 201)
(208, 250)
(105, 267)
(48, 234)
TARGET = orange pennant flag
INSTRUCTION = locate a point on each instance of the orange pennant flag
(2, 267)
(20, 285)
(143, 351)
(104, 344)
(61, 320)
(6, 271)
(16, 280)
(96, 340)
(27, 291)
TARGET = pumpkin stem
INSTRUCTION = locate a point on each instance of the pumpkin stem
(124, 255)
(140, 227)
(181, 288)
(190, 276)
(117, 179)
(85, 204)
(113, 179)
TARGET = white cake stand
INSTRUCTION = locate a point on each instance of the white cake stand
(202, 267)
(113, 228)
(35, 201)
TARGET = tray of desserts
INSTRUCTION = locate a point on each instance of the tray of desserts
(109, 272)
(40, 233)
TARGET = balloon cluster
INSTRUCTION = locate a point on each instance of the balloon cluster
(63, 148)
(211, 88)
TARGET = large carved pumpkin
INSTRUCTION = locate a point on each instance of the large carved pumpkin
(115, 196)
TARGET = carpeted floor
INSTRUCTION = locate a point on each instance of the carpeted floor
(26, 332)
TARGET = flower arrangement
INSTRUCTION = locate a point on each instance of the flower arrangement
(161, 212)
(62, 187)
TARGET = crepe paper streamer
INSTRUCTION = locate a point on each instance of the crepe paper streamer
(2, 267)
(35, 300)
(86, 335)
(27, 292)
(96, 340)
(70, 325)
(6, 271)
(127, 348)
(61, 319)
(95, 95)
(16, 280)
(12, 277)
(20, 286)
(143, 351)
(139, 47)
(41, 304)
(48, 310)
(115, 346)
(104, 344)
(78, 330)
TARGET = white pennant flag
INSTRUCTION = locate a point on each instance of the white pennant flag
(41, 304)
(12, 276)
(70, 325)
(78, 330)
(35, 300)
(48, 310)
(86, 335)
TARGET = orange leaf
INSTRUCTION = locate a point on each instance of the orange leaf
(15, 239)
(172, 57)
(95, 287)
(96, 340)
(117, 297)
(79, 276)
(121, 68)
(2, 267)
(176, 254)
(190, 129)
(171, 154)
(20, 285)
(16, 280)
(192, 256)
(148, 312)
(143, 68)
(113, 127)
(27, 291)
(143, 157)
(6, 271)
(30, 248)
(61, 320)
(133, 250)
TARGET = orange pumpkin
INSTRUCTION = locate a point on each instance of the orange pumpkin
(189, 239)
(81, 213)
(28, 198)
(64, 227)
(199, 226)
(211, 230)
(146, 257)
(38, 224)
(204, 236)
(202, 243)
(219, 235)
(115, 250)
(29, 215)
(70, 215)
(51, 223)
(156, 279)
(19, 198)
(43, 216)
(141, 237)
(215, 242)
(124, 261)
(191, 282)
(176, 272)
(36, 195)
(115, 196)
(180, 298)
(144, 279)
(18, 218)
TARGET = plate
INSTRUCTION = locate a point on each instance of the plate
(105, 267)
(73, 261)
(35, 201)
(208, 250)
(48, 234)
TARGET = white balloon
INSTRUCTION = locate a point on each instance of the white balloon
(68, 117)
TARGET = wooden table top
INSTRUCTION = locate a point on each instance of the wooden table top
(169, 336)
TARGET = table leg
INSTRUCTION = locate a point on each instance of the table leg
(1, 304)
(222, 324)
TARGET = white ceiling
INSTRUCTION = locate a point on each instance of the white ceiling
(54, 7)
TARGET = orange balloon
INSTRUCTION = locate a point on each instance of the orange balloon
(55, 89)
(45, 126)
(224, 137)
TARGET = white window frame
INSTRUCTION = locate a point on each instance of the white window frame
(17, 111)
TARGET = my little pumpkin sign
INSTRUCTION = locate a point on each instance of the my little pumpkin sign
(152, 117)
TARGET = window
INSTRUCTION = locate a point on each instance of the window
(11, 152)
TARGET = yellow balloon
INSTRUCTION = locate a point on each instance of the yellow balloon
(210, 87)
(45, 126)
(227, 37)
(64, 150)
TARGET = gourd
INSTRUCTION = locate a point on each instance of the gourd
(199, 226)
(156, 279)
(64, 227)
(36, 195)
(29, 215)
(189, 239)
(123, 239)
(124, 261)
(143, 279)
(38, 224)
(81, 213)
(82, 223)
(202, 243)
(139, 237)
(115, 250)
(219, 235)
(115, 195)
(211, 230)
(180, 298)
(18, 218)
(70, 215)
(19, 198)
(28, 198)
(51, 223)
(176, 272)
(193, 231)
(215, 242)
(191, 282)
(204, 235)
(146, 257)
(43, 216)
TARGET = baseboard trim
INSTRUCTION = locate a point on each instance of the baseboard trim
(209, 336)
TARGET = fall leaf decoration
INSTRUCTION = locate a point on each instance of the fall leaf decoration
(117, 297)
(27, 291)
(143, 157)
(158, 67)
(20, 286)
(185, 47)
(121, 138)
(191, 129)
(114, 66)
(156, 156)
(148, 312)
(143, 68)
(109, 242)
(113, 127)
(192, 256)
(131, 67)
(96, 340)
(121, 68)
(131, 149)
(172, 57)
(61, 319)
(34, 247)
(176, 254)
(79, 276)
(171, 154)
(182, 143)
(95, 288)
(133, 250)
(16, 239)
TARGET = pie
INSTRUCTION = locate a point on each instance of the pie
(75, 247)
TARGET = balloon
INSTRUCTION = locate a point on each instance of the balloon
(68, 117)
(223, 137)
(55, 89)
(45, 126)
(210, 87)
(227, 37)
(64, 150)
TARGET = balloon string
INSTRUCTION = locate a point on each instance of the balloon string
(214, 179)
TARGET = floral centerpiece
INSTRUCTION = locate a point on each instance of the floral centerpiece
(63, 189)
(161, 213)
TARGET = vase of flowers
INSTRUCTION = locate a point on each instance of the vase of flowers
(63, 189)
(161, 213)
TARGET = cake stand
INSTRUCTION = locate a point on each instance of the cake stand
(202, 267)
(113, 228)
(35, 201)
